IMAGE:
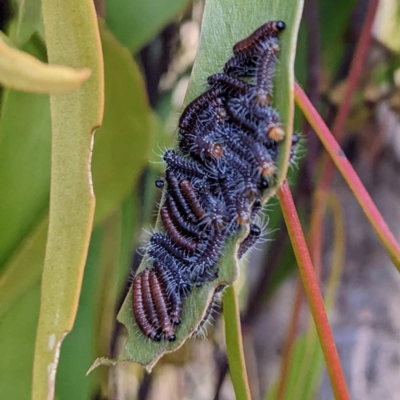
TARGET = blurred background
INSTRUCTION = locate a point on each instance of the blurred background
(149, 47)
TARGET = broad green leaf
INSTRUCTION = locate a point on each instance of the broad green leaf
(135, 22)
(24, 184)
(17, 341)
(73, 40)
(224, 23)
(23, 270)
(24, 162)
(121, 145)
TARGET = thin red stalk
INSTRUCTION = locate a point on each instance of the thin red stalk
(289, 342)
(348, 173)
(313, 293)
(314, 244)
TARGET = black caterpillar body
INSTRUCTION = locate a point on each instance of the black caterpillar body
(228, 140)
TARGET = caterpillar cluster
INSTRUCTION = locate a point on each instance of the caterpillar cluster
(228, 145)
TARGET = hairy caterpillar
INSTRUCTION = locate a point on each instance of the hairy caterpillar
(228, 145)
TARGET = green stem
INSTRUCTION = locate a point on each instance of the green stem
(234, 346)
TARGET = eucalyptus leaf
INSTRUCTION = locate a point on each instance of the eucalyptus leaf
(224, 23)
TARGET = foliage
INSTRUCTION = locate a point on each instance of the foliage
(63, 263)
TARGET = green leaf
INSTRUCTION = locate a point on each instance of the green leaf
(135, 22)
(17, 333)
(224, 23)
(24, 269)
(24, 162)
(121, 145)
(72, 39)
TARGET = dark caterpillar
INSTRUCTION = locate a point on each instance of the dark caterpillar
(148, 325)
(214, 183)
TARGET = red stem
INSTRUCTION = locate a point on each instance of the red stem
(348, 173)
(313, 293)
